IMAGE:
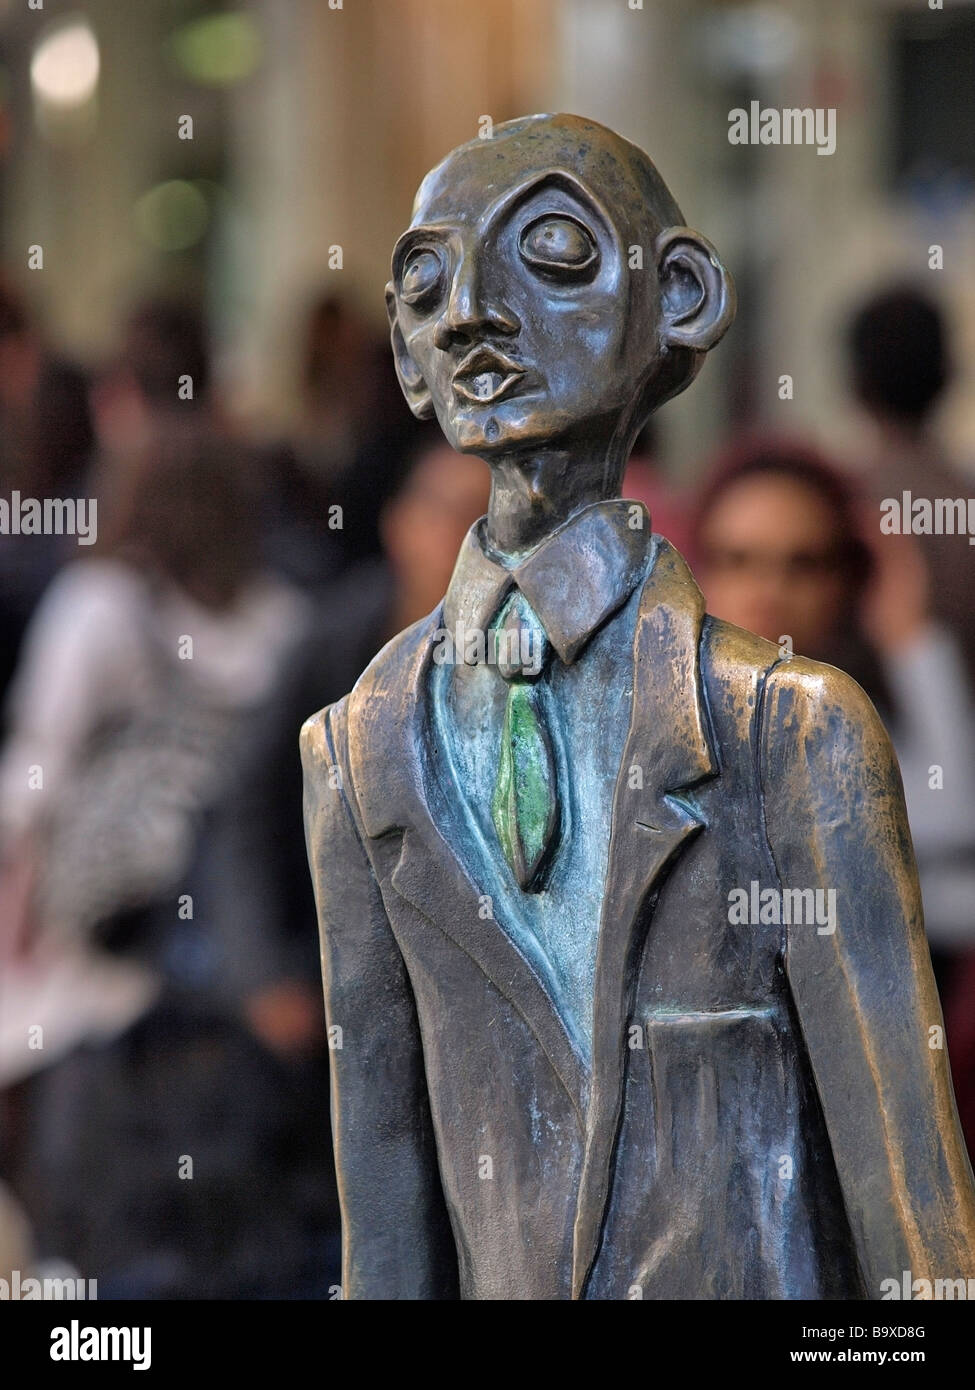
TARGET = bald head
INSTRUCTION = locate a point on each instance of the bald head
(616, 170)
(548, 293)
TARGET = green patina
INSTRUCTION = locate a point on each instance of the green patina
(523, 805)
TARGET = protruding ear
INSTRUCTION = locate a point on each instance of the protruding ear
(697, 294)
(414, 388)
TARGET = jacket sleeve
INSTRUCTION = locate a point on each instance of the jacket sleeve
(865, 993)
(396, 1238)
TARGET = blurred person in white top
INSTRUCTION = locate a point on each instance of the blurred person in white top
(143, 682)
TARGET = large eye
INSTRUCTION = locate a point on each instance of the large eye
(421, 275)
(555, 242)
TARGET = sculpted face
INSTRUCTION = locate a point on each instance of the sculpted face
(516, 314)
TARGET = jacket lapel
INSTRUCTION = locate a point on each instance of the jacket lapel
(668, 742)
(391, 712)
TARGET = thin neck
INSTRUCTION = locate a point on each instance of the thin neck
(533, 495)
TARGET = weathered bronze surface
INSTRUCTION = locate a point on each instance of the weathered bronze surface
(643, 1008)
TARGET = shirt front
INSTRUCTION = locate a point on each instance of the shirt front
(583, 585)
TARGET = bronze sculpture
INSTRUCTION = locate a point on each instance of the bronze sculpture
(563, 831)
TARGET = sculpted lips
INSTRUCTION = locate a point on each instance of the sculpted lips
(486, 375)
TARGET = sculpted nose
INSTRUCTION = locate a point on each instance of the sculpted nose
(471, 309)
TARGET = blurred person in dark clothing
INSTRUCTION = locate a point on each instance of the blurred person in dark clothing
(437, 497)
(161, 373)
(159, 380)
(48, 436)
(423, 525)
(900, 368)
(46, 443)
(327, 487)
(338, 388)
(142, 907)
(960, 1028)
(16, 1240)
(779, 549)
(305, 531)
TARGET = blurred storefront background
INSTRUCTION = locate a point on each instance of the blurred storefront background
(312, 126)
(198, 202)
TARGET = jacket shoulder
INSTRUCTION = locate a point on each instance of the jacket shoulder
(801, 705)
(381, 695)
(313, 740)
(732, 651)
(814, 699)
(733, 654)
(383, 677)
(734, 668)
(827, 760)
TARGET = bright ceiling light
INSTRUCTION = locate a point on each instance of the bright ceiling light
(64, 68)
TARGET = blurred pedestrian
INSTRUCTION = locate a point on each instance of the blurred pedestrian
(142, 929)
(781, 549)
(900, 368)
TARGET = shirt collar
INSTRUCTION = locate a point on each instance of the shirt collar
(576, 579)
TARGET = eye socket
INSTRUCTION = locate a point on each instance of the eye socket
(556, 242)
(421, 275)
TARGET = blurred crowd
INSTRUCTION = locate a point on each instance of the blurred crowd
(163, 1063)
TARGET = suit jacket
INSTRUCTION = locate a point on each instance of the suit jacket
(768, 1109)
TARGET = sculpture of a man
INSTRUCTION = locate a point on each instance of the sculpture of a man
(590, 1039)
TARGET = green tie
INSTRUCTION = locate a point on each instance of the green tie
(524, 807)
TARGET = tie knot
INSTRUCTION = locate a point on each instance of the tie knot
(519, 641)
